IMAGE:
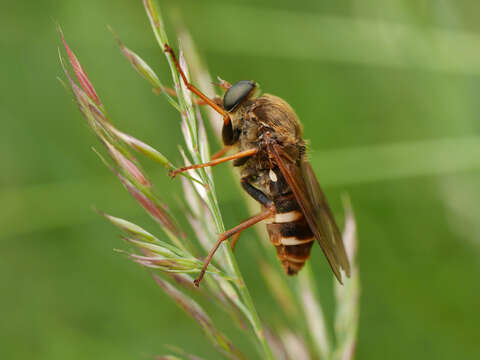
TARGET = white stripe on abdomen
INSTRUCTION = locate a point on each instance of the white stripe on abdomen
(294, 241)
(281, 218)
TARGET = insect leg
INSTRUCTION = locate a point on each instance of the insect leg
(255, 193)
(220, 152)
(224, 84)
(266, 213)
(235, 240)
(241, 154)
(192, 88)
(172, 92)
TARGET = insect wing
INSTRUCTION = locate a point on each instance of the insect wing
(309, 196)
(324, 215)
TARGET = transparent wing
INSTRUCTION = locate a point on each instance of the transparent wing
(324, 215)
(312, 201)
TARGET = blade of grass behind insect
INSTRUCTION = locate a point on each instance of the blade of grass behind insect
(313, 313)
(218, 339)
(347, 296)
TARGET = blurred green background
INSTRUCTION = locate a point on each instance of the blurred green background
(388, 94)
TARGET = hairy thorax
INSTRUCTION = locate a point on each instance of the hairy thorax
(272, 115)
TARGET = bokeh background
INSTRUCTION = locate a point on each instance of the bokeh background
(388, 92)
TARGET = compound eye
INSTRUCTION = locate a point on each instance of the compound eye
(237, 93)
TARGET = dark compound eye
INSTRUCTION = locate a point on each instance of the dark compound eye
(237, 93)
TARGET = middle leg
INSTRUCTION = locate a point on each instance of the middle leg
(239, 155)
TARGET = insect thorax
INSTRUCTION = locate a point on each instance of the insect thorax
(252, 121)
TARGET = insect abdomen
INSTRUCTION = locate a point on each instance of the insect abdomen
(290, 234)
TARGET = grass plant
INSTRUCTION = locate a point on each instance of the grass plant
(174, 258)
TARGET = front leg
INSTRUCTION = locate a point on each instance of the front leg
(218, 108)
(196, 101)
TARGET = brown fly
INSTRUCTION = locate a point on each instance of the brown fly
(275, 172)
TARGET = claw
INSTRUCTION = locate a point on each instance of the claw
(173, 173)
(225, 85)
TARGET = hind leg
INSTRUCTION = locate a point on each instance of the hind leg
(255, 193)
(266, 213)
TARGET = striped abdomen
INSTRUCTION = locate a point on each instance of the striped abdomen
(289, 232)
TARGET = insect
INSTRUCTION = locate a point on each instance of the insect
(275, 172)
